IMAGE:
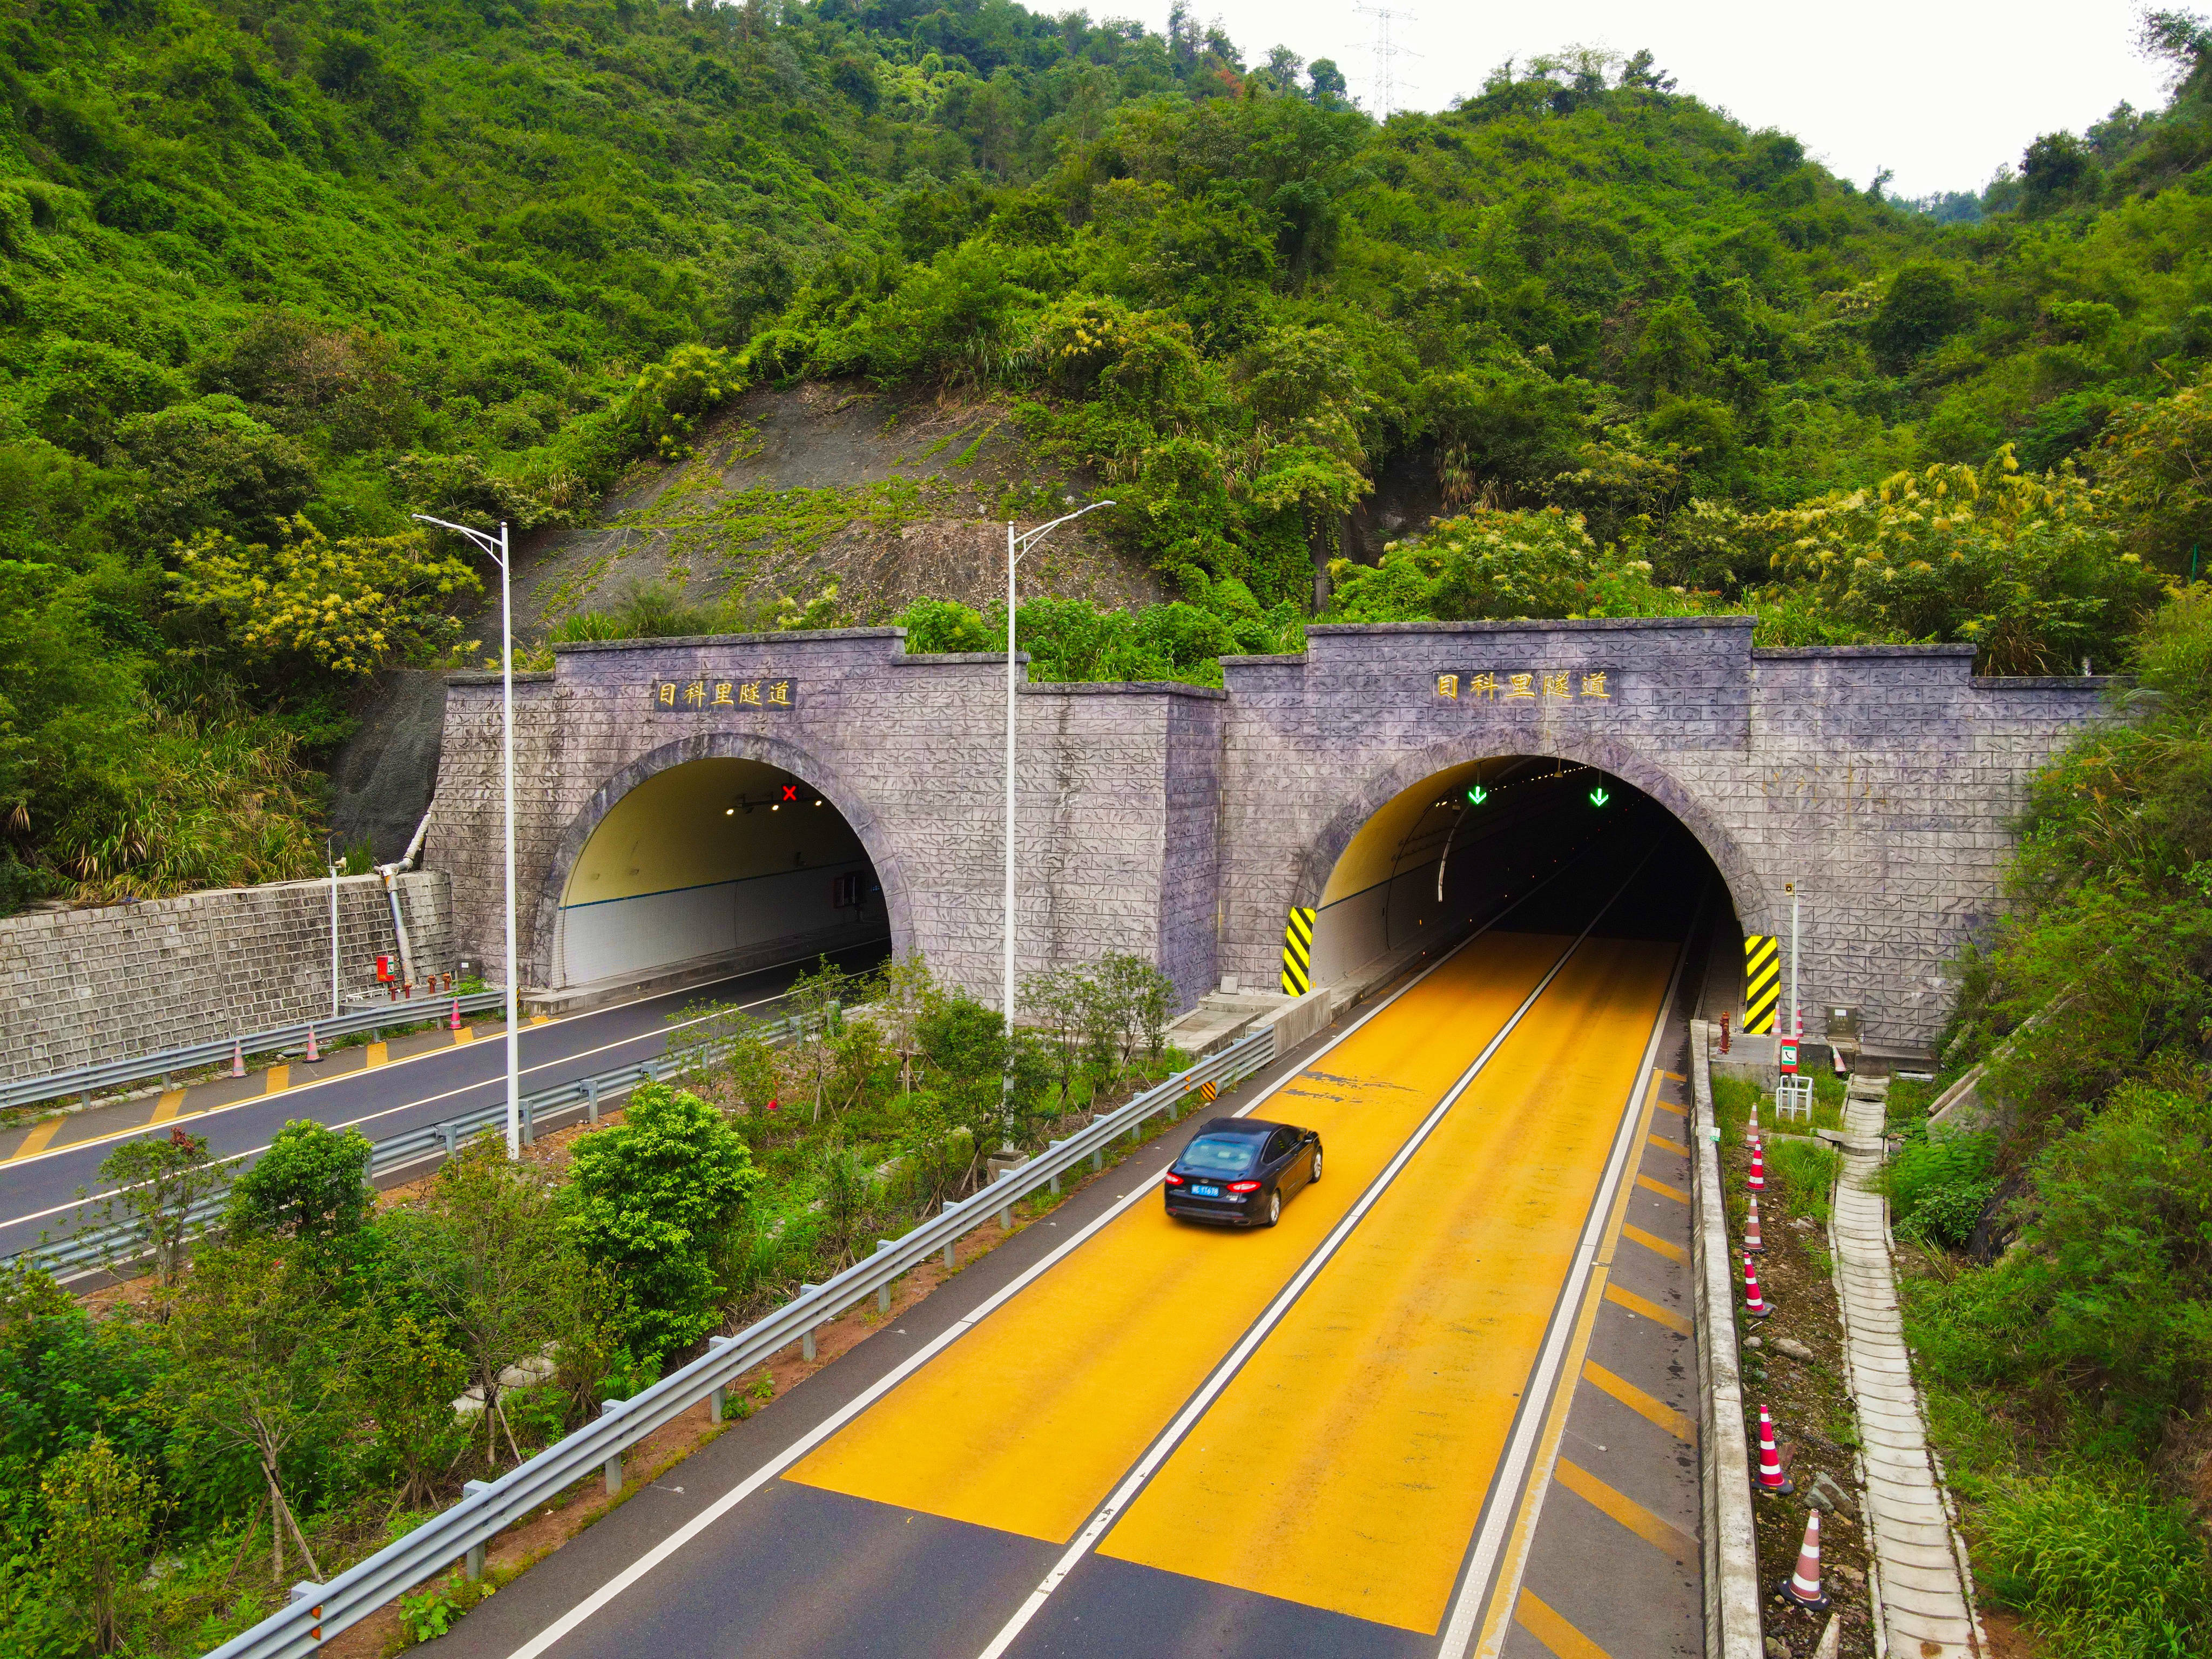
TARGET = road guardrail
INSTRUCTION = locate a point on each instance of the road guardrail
(114, 1073)
(118, 1244)
(320, 1611)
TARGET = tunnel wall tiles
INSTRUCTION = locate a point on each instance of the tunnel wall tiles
(80, 987)
(1180, 823)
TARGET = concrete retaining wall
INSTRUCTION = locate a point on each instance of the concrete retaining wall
(81, 987)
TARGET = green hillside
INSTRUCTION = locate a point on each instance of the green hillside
(276, 276)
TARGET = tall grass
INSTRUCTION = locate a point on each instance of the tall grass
(2104, 1572)
(1806, 1172)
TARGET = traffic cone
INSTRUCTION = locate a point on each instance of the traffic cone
(1770, 1477)
(1751, 1229)
(237, 1057)
(313, 1053)
(1751, 1128)
(1754, 1304)
(1803, 1589)
(454, 1023)
(1756, 1181)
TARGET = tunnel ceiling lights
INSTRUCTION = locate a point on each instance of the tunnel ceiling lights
(1477, 793)
(789, 797)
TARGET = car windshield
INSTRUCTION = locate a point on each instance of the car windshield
(1226, 1155)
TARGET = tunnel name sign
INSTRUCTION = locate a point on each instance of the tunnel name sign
(689, 696)
(1537, 685)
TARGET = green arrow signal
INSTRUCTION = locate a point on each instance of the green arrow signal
(1598, 796)
(1477, 795)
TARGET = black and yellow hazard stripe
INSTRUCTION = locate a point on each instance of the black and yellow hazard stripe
(1762, 981)
(1297, 953)
(1208, 1091)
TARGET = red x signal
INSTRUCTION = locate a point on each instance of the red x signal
(791, 792)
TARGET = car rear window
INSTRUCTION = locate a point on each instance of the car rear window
(1220, 1154)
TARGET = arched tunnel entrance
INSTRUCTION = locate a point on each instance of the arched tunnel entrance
(721, 864)
(1463, 844)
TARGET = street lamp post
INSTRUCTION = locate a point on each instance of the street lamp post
(496, 549)
(1017, 546)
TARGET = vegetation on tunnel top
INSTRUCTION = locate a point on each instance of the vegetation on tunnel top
(272, 282)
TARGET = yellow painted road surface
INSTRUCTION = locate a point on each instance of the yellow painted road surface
(1346, 1465)
(1027, 1423)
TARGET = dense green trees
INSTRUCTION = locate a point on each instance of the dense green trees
(2067, 1354)
(270, 280)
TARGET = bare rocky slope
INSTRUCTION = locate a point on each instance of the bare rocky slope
(789, 495)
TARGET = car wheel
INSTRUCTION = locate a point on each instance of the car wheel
(1274, 1208)
(1315, 1176)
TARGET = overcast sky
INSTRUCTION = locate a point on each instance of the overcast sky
(1939, 91)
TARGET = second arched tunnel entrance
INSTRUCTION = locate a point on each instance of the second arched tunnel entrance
(1473, 843)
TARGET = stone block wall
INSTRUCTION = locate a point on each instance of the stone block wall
(910, 748)
(1881, 780)
(78, 988)
(1181, 824)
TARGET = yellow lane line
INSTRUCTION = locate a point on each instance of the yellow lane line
(36, 1141)
(1653, 1529)
(1386, 1393)
(1669, 1106)
(1028, 1421)
(1553, 1631)
(172, 1103)
(1651, 1310)
(280, 1078)
(1663, 1190)
(1648, 1405)
(1515, 1560)
(1672, 1077)
(1666, 1146)
(1667, 1248)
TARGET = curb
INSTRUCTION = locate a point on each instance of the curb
(1731, 1546)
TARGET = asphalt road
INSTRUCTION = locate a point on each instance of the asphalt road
(41, 1194)
(1446, 1408)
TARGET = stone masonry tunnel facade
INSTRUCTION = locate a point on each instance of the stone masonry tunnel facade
(1183, 822)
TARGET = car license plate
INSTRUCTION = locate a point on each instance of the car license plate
(1206, 1192)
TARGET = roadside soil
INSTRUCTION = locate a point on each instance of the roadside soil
(1814, 1421)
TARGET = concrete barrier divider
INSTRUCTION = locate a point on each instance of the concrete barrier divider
(1731, 1545)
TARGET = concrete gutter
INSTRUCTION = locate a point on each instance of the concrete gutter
(1731, 1546)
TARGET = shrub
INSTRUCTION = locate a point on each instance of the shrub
(347, 607)
(1489, 564)
(1938, 1185)
(310, 1180)
(654, 1200)
(670, 399)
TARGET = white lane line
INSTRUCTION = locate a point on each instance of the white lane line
(1225, 1373)
(428, 1053)
(353, 1122)
(1536, 1401)
(782, 1460)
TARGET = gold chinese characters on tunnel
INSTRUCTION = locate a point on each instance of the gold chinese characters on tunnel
(689, 696)
(1534, 685)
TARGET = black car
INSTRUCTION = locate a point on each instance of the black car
(1240, 1170)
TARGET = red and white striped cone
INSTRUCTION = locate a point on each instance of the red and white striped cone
(1754, 1304)
(1751, 1229)
(1756, 1181)
(237, 1057)
(1803, 1589)
(313, 1053)
(1770, 1477)
(1751, 1128)
(454, 1023)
